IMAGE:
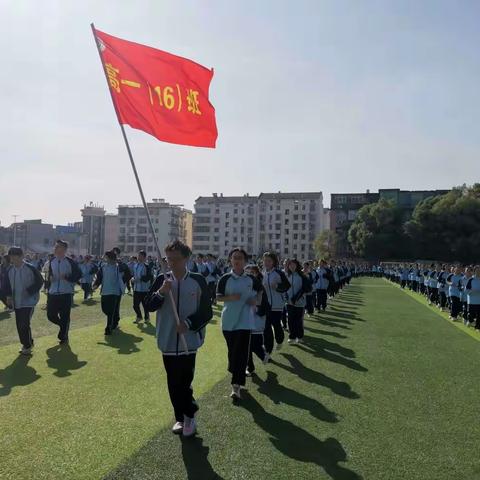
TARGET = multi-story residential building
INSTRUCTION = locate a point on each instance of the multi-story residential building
(284, 222)
(170, 222)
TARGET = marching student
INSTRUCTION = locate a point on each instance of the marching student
(276, 285)
(323, 280)
(88, 269)
(257, 346)
(472, 288)
(63, 274)
(142, 278)
(432, 285)
(213, 272)
(238, 292)
(467, 275)
(454, 282)
(190, 291)
(312, 278)
(112, 289)
(299, 287)
(23, 284)
(4, 268)
(442, 288)
(126, 277)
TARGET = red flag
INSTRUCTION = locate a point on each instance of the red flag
(159, 93)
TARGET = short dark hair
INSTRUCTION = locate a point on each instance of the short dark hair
(273, 256)
(15, 251)
(116, 250)
(238, 249)
(298, 267)
(63, 243)
(178, 246)
(142, 252)
(111, 254)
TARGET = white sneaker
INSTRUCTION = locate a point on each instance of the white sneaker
(290, 340)
(189, 426)
(266, 358)
(279, 346)
(235, 395)
(25, 351)
(298, 340)
(177, 428)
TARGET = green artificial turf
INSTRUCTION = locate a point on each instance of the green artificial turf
(382, 388)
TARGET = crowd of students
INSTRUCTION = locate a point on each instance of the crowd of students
(262, 301)
(451, 288)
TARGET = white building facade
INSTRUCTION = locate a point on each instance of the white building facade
(286, 223)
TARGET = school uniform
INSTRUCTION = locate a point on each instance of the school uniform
(276, 285)
(112, 289)
(472, 289)
(23, 285)
(142, 279)
(432, 286)
(454, 285)
(238, 320)
(63, 274)
(309, 299)
(321, 286)
(299, 287)
(192, 303)
(88, 272)
(257, 346)
(442, 288)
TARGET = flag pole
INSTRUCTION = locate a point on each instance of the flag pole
(140, 189)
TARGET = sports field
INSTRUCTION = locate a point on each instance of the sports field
(384, 387)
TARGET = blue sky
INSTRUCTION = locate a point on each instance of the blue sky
(336, 96)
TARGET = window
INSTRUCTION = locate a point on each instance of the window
(295, 226)
(235, 220)
(202, 210)
(287, 231)
(287, 211)
(200, 228)
(304, 217)
(216, 230)
(235, 211)
(216, 220)
(278, 226)
(215, 239)
(227, 224)
(202, 219)
(227, 214)
(295, 206)
(295, 217)
(286, 241)
(286, 221)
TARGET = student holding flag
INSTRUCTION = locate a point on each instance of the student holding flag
(194, 310)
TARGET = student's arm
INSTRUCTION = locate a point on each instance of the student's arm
(204, 312)
(37, 281)
(284, 284)
(154, 300)
(221, 290)
(98, 279)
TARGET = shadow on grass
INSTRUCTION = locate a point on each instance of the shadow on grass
(17, 374)
(278, 394)
(300, 445)
(325, 332)
(312, 376)
(147, 328)
(5, 314)
(124, 342)
(63, 360)
(195, 458)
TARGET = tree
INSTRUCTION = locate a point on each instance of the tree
(447, 227)
(325, 245)
(377, 232)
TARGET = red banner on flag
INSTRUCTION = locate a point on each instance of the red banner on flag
(159, 93)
